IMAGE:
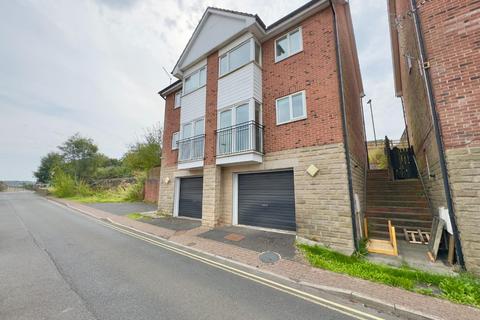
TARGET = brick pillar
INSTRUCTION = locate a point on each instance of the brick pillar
(211, 205)
(211, 109)
(211, 173)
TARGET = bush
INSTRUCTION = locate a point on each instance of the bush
(63, 185)
(377, 158)
(83, 189)
(134, 192)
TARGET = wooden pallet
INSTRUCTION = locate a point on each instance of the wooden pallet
(416, 236)
(386, 247)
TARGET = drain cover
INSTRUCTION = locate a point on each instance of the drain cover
(269, 257)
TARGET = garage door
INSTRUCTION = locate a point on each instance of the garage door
(190, 200)
(267, 200)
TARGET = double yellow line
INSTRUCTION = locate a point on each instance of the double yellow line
(356, 314)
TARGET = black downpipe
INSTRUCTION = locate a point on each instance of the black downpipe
(438, 137)
(344, 125)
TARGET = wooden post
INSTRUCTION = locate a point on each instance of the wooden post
(365, 227)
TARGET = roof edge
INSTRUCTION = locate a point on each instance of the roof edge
(170, 88)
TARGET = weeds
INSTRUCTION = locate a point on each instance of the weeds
(463, 289)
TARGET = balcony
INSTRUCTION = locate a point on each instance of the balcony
(241, 143)
(190, 152)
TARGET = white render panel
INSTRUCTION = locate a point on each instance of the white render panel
(257, 83)
(216, 29)
(193, 105)
(236, 86)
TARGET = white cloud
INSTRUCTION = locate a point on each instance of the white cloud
(95, 67)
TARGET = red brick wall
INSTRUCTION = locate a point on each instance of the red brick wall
(451, 30)
(352, 85)
(211, 109)
(151, 185)
(313, 70)
(171, 124)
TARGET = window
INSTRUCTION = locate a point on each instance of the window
(178, 98)
(187, 131)
(291, 108)
(288, 45)
(195, 80)
(175, 140)
(239, 56)
(194, 128)
(198, 127)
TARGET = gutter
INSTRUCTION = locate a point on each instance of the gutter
(344, 127)
(438, 137)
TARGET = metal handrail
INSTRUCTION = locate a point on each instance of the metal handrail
(239, 138)
(191, 149)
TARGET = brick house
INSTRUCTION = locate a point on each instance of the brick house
(436, 59)
(264, 127)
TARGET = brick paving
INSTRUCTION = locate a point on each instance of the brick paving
(358, 289)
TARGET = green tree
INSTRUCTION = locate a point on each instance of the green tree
(81, 156)
(145, 153)
(47, 165)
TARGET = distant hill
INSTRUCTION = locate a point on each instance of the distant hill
(16, 183)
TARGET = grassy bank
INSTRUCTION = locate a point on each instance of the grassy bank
(464, 289)
(64, 186)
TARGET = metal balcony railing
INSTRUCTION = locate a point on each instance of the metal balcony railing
(243, 137)
(191, 149)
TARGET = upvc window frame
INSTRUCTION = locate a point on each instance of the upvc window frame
(190, 75)
(193, 126)
(290, 107)
(287, 36)
(175, 140)
(252, 43)
(178, 104)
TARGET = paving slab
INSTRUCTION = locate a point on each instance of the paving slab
(123, 208)
(256, 240)
(177, 224)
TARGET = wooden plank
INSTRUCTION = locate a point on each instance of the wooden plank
(436, 237)
(365, 224)
(420, 236)
(451, 249)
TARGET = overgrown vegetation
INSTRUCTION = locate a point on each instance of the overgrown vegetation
(463, 289)
(138, 216)
(377, 158)
(73, 170)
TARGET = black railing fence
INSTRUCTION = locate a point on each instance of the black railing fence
(191, 149)
(243, 137)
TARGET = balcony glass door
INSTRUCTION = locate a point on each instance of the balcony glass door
(197, 142)
(225, 137)
(242, 128)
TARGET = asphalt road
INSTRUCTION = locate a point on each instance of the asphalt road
(59, 264)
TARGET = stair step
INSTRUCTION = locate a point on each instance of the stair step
(393, 209)
(383, 222)
(399, 204)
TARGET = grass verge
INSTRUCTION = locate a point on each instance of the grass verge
(138, 216)
(464, 288)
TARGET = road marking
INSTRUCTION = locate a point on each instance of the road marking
(357, 314)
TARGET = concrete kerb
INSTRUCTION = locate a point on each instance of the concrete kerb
(382, 305)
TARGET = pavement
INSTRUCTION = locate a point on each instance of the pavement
(392, 301)
(255, 240)
(57, 263)
(123, 208)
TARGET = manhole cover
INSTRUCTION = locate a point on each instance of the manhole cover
(269, 257)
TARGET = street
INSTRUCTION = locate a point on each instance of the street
(58, 264)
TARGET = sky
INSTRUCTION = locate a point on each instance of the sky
(95, 67)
